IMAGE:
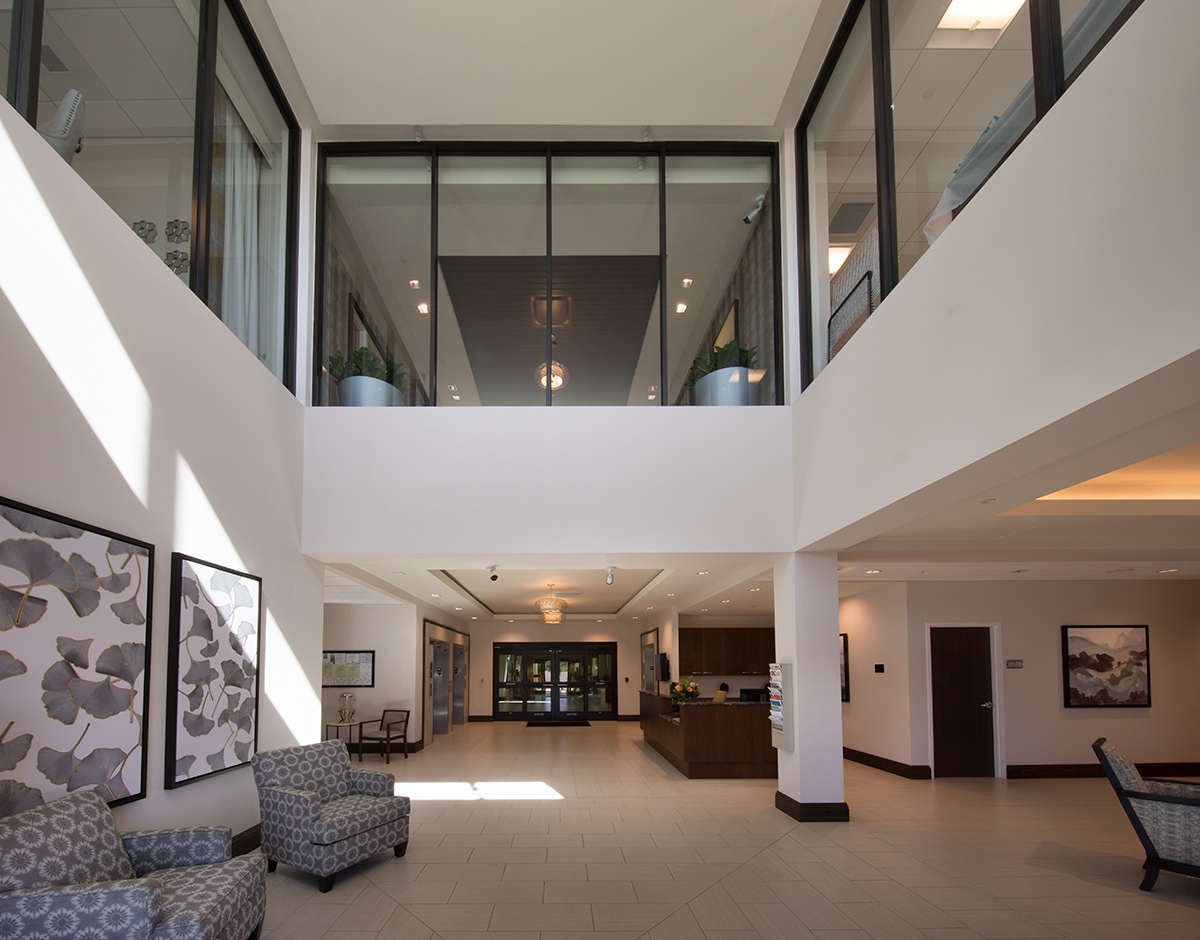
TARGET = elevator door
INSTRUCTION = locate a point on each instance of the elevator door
(441, 687)
(458, 685)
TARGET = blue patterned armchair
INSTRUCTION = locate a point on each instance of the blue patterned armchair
(66, 872)
(1165, 815)
(321, 816)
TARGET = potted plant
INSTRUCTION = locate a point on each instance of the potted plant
(722, 376)
(365, 379)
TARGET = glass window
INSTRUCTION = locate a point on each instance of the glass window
(842, 198)
(1084, 23)
(720, 285)
(118, 84)
(962, 97)
(248, 224)
(375, 281)
(491, 273)
(606, 272)
(6, 19)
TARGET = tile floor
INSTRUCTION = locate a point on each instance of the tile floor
(626, 848)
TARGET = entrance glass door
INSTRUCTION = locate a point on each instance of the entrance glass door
(566, 682)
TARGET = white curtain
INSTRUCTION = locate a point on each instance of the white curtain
(241, 304)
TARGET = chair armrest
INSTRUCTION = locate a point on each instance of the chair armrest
(109, 910)
(1172, 787)
(299, 808)
(152, 849)
(372, 783)
(1148, 797)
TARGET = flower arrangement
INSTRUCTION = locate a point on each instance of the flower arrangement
(685, 690)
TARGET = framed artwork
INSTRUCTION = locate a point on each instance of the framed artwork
(215, 640)
(75, 605)
(348, 669)
(1106, 667)
(845, 666)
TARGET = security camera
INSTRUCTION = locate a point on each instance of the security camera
(750, 216)
(491, 569)
(610, 569)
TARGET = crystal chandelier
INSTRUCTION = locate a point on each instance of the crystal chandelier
(551, 608)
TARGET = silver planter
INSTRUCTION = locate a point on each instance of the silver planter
(362, 390)
(730, 386)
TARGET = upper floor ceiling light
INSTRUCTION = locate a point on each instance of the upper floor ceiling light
(559, 375)
(973, 24)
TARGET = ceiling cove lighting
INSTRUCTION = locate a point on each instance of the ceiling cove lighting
(559, 376)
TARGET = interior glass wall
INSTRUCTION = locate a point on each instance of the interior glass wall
(554, 681)
(247, 231)
(491, 270)
(605, 330)
(843, 200)
(375, 280)
(6, 18)
(720, 282)
(1084, 23)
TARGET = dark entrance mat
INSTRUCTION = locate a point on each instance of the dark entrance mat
(558, 724)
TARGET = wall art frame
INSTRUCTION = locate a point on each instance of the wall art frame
(75, 610)
(214, 656)
(1106, 666)
(845, 666)
(348, 669)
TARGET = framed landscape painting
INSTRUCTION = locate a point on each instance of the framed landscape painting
(1106, 667)
(212, 669)
(75, 605)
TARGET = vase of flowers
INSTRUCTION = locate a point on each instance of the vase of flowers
(685, 690)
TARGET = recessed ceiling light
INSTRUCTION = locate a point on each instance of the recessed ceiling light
(398, 572)
(687, 282)
(414, 284)
(726, 601)
(681, 308)
(752, 590)
(985, 502)
(435, 595)
(423, 308)
(456, 397)
(452, 388)
(474, 618)
(651, 397)
(701, 572)
(598, 620)
(871, 571)
(1167, 570)
(652, 606)
(652, 388)
(1118, 570)
(458, 608)
(512, 621)
(837, 257)
(979, 14)
(704, 610)
(670, 595)
(636, 617)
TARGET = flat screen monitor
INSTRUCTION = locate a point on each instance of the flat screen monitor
(752, 695)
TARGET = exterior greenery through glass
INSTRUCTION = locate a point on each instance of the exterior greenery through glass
(911, 114)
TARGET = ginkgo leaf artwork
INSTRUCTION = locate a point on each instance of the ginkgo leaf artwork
(75, 614)
(212, 669)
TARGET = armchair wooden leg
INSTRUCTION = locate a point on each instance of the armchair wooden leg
(404, 744)
(401, 849)
(325, 883)
(1151, 877)
(272, 864)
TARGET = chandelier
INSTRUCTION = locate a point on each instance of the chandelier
(558, 375)
(551, 608)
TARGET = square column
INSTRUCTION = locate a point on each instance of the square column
(811, 787)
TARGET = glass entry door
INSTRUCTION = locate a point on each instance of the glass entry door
(535, 681)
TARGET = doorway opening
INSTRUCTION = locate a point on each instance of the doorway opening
(555, 682)
(964, 706)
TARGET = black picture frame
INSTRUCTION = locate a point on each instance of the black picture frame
(845, 666)
(74, 670)
(329, 664)
(213, 670)
(1094, 673)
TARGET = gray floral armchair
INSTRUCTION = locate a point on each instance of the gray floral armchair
(1165, 814)
(66, 872)
(321, 816)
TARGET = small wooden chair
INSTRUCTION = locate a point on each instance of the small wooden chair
(393, 728)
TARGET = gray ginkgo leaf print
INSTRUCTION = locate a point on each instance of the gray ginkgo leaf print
(216, 761)
(200, 673)
(190, 589)
(201, 625)
(116, 582)
(19, 608)
(14, 751)
(127, 611)
(197, 725)
(16, 796)
(234, 675)
(75, 652)
(241, 596)
(195, 698)
(119, 547)
(241, 750)
(37, 525)
(183, 765)
(245, 715)
(43, 566)
(100, 699)
(209, 650)
(86, 597)
(10, 665)
(98, 768)
(125, 661)
(57, 766)
(235, 644)
(56, 682)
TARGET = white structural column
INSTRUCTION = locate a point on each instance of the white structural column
(811, 787)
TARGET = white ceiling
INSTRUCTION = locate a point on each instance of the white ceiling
(545, 62)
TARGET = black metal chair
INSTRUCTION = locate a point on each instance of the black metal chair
(390, 729)
(1165, 814)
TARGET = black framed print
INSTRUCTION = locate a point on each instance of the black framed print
(1106, 667)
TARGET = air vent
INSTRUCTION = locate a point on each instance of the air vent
(849, 217)
(51, 61)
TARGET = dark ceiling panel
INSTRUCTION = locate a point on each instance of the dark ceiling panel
(611, 304)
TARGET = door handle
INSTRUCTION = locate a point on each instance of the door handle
(986, 705)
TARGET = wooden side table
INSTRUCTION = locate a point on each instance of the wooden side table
(337, 733)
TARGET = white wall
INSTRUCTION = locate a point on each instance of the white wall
(1026, 333)
(130, 407)
(1038, 729)
(876, 719)
(626, 634)
(390, 630)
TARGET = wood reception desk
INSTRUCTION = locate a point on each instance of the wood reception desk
(709, 740)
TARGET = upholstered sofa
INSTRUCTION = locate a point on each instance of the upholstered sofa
(321, 816)
(66, 872)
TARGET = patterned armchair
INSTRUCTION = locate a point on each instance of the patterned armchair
(66, 872)
(1165, 814)
(321, 816)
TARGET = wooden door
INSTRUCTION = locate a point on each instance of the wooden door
(963, 712)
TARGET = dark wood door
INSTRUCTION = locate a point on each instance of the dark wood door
(961, 663)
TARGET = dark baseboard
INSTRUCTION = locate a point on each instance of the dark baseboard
(812, 812)
(919, 772)
(376, 747)
(629, 717)
(480, 718)
(246, 842)
(1064, 771)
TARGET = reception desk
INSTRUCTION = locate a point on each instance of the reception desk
(707, 740)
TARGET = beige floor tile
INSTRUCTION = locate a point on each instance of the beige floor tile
(467, 872)
(495, 892)
(368, 912)
(681, 925)
(451, 916)
(623, 917)
(775, 922)
(621, 871)
(714, 909)
(508, 856)
(568, 871)
(542, 917)
(590, 892)
(595, 853)
(674, 892)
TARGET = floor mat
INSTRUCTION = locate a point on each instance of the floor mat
(558, 724)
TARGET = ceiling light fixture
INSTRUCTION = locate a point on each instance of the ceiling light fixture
(837, 257)
(651, 397)
(551, 608)
(872, 571)
(1167, 570)
(726, 601)
(704, 610)
(979, 14)
(423, 309)
(752, 590)
(435, 595)
(414, 284)
(687, 282)
(559, 376)
(681, 308)
(456, 397)
(701, 572)
(671, 595)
